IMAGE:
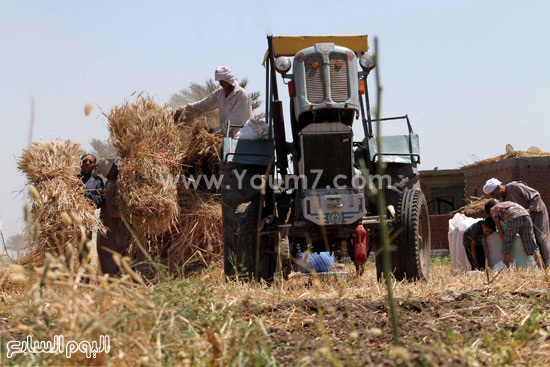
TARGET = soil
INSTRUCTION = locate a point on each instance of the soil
(299, 329)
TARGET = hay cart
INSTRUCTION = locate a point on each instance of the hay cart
(317, 189)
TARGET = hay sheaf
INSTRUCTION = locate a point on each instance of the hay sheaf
(150, 145)
(198, 233)
(147, 195)
(510, 155)
(175, 225)
(60, 215)
(202, 151)
(475, 208)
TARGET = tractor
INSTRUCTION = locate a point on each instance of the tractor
(317, 189)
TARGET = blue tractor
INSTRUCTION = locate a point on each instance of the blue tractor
(316, 189)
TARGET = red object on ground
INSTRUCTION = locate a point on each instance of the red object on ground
(361, 245)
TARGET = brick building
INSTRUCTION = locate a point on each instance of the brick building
(444, 191)
(534, 171)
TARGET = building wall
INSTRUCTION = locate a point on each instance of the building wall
(439, 228)
(534, 171)
(442, 184)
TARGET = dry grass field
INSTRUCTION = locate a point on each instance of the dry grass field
(203, 320)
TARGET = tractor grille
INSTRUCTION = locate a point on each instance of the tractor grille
(329, 153)
(339, 88)
(314, 79)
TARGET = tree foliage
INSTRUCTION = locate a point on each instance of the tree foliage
(16, 244)
(103, 148)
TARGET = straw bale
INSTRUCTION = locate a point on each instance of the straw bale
(475, 208)
(150, 145)
(149, 203)
(145, 129)
(50, 160)
(173, 224)
(202, 152)
(510, 155)
(199, 228)
(60, 213)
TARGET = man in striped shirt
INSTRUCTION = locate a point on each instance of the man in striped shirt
(517, 221)
(530, 199)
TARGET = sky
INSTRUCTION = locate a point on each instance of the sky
(472, 75)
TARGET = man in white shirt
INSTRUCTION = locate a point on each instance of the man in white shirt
(232, 102)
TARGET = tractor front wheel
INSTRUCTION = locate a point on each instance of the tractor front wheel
(414, 242)
(411, 249)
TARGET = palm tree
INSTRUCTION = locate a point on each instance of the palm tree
(103, 148)
(16, 244)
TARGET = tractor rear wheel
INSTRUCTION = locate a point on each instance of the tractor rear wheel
(245, 256)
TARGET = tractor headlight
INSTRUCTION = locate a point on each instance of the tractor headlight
(367, 62)
(282, 64)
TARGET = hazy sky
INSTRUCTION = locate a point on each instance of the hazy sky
(472, 75)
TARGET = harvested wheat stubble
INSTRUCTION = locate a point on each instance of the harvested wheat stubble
(150, 145)
(57, 196)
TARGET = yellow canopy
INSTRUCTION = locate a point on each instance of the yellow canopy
(290, 45)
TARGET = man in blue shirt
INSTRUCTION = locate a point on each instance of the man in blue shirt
(93, 185)
(93, 190)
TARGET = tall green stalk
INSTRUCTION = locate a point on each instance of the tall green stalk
(381, 201)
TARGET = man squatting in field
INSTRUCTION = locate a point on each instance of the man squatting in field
(517, 221)
(230, 99)
(474, 242)
(530, 199)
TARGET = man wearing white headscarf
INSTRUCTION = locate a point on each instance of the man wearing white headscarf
(230, 99)
(530, 199)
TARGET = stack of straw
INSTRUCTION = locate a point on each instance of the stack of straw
(174, 224)
(476, 208)
(61, 215)
(510, 155)
(198, 235)
(150, 146)
(202, 151)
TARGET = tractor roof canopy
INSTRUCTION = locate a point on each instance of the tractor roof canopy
(290, 45)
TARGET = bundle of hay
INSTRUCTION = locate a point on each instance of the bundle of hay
(150, 146)
(198, 235)
(475, 208)
(175, 225)
(60, 215)
(510, 155)
(202, 152)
